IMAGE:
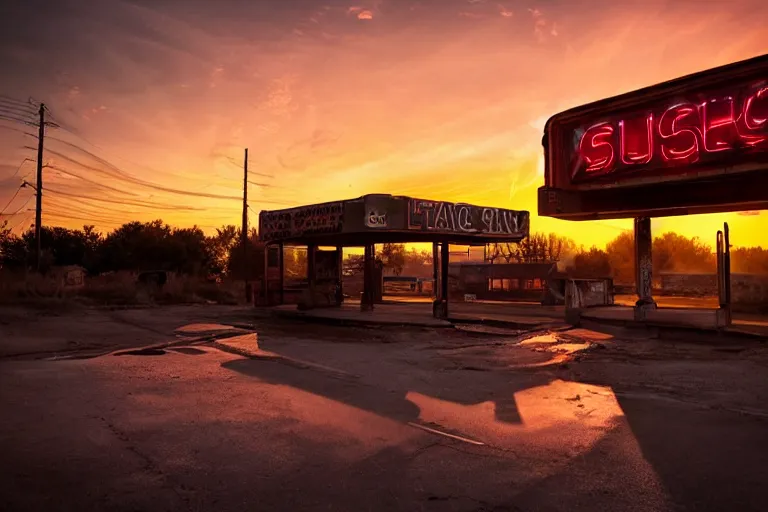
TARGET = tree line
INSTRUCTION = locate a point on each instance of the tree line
(140, 246)
(672, 252)
(134, 246)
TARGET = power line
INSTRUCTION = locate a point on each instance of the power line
(15, 109)
(265, 185)
(10, 117)
(234, 162)
(88, 180)
(11, 128)
(94, 209)
(22, 221)
(125, 177)
(121, 175)
(21, 106)
(20, 166)
(145, 204)
(9, 202)
(11, 99)
(100, 210)
(86, 219)
(17, 112)
(20, 208)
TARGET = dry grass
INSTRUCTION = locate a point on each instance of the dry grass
(115, 289)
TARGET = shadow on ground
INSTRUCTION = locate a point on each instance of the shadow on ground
(684, 456)
(390, 401)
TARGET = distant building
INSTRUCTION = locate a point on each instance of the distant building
(503, 281)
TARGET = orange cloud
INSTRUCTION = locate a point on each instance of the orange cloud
(365, 15)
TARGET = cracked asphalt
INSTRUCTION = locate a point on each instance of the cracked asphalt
(310, 417)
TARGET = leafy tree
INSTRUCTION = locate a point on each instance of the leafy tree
(188, 252)
(676, 253)
(13, 250)
(594, 263)
(393, 256)
(220, 246)
(621, 255)
(535, 248)
(671, 252)
(255, 266)
(137, 246)
(62, 246)
(749, 260)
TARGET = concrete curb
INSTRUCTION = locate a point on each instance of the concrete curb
(663, 331)
(550, 324)
(355, 322)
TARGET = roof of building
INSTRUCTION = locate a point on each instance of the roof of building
(384, 218)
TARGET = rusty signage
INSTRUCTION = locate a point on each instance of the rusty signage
(460, 218)
(297, 222)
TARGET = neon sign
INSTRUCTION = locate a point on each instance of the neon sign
(694, 144)
(681, 134)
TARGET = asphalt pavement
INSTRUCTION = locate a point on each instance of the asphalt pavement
(311, 417)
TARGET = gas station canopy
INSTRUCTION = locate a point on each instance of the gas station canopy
(383, 218)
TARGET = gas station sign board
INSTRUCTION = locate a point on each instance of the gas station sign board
(700, 127)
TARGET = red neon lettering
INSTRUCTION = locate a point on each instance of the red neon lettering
(679, 143)
(631, 143)
(753, 122)
(718, 122)
(682, 134)
(753, 117)
(596, 148)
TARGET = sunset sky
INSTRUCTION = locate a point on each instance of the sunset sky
(443, 99)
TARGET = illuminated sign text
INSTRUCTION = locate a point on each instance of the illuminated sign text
(703, 128)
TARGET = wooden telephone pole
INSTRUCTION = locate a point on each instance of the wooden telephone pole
(245, 228)
(39, 206)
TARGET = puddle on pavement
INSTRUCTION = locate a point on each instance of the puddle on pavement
(142, 352)
(486, 329)
(549, 349)
(553, 342)
(541, 339)
(206, 328)
(190, 351)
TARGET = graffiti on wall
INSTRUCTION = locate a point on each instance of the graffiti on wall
(466, 218)
(376, 219)
(297, 222)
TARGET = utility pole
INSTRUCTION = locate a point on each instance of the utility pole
(245, 228)
(39, 190)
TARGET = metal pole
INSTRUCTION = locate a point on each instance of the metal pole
(435, 260)
(727, 269)
(282, 272)
(245, 229)
(39, 205)
(444, 271)
(720, 271)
